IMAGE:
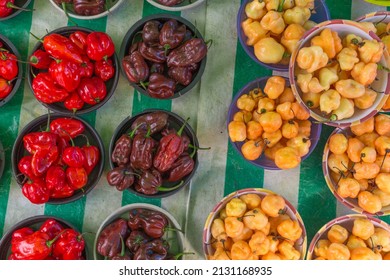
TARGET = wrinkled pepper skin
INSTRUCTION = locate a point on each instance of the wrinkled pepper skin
(79, 38)
(122, 150)
(190, 52)
(65, 73)
(62, 191)
(89, 7)
(109, 240)
(181, 168)
(104, 69)
(169, 149)
(172, 34)
(99, 46)
(149, 182)
(157, 68)
(151, 33)
(156, 249)
(46, 90)
(40, 59)
(155, 121)
(35, 141)
(67, 128)
(51, 227)
(43, 159)
(169, 3)
(153, 54)
(69, 245)
(55, 178)
(5, 88)
(24, 166)
(73, 102)
(136, 68)
(121, 177)
(182, 75)
(136, 239)
(141, 156)
(153, 223)
(77, 177)
(62, 47)
(35, 246)
(8, 65)
(160, 86)
(92, 90)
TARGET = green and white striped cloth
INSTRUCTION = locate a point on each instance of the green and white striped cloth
(221, 169)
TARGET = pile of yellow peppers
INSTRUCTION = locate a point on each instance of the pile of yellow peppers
(274, 27)
(334, 74)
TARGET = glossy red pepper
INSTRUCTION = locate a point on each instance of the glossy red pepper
(92, 90)
(99, 46)
(79, 38)
(21, 233)
(73, 156)
(36, 246)
(51, 227)
(62, 143)
(86, 68)
(68, 128)
(104, 69)
(65, 73)
(46, 90)
(24, 166)
(160, 86)
(62, 191)
(35, 141)
(8, 65)
(6, 7)
(77, 177)
(92, 157)
(62, 47)
(70, 245)
(43, 159)
(73, 102)
(36, 191)
(135, 67)
(5, 88)
(40, 59)
(55, 178)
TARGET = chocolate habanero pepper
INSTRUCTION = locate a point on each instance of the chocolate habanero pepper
(104, 69)
(62, 47)
(169, 3)
(51, 227)
(191, 51)
(40, 59)
(172, 34)
(136, 69)
(181, 168)
(89, 7)
(69, 245)
(122, 255)
(155, 121)
(141, 156)
(5, 88)
(153, 223)
(153, 54)
(150, 182)
(92, 90)
(65, 73)
(67, 128)
(136, 239)
(170, 147)
(182, 75)
(151, 33)
(157, 68)
(8, 65)
(160, 86)
(99, 46)
(122, 150)
(156, 249)
(109, 240)
(121, 177)
(46, 90)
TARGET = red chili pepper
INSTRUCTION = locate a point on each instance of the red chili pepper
(7, 6)
(62, 47)
(74, 156)
(5, 88)
(67, 127)
(62, 143)
(99, 46)
(36, 246)
(36, 191)
(79, 38)
(21, 233)
(92, 90)
(40, 59)
(35, 141)
(43, 159)
(8, 65)
(55, 178)
(62, 191)
(46, 90)
(24, 166)
(74, 102)
(65, 73)
(69, 245)
(77, 177)
(86, 68)
(92, 157)
(104, 69)
(51, 227)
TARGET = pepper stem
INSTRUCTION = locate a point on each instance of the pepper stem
(182, 127)
(173, 229)
(122, 246)
(71, 140)
(280, 7)
(49, 243)
(67, 14)
(168, 189)
(382, 67)
(131, 134)
(36, 37)
(11, 5)
(86, 138)
(195, 149)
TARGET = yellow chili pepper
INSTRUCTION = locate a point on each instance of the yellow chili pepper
(273, 22)
(369, 202)
(273, 205)
(255, 9)
(382, 124)
(337, 234)
(288, 251)
(329, 101)
(344, 111)
(253, 31)
(347, 58)
(253, 130)
(235, 208)
(300, 143)
(364, 127)
(252, 149)
(259, 243)
(251, 200)
(233, 226)
(366, 100)
(364, 253)
(355, 242)
(291, 36)
(311, 99)
(363, 73)
(363, 228)
(246, 102)
(321, 248)
(312, 58)
(268, 50)
(382, 145)
(237, 131)
(255, 219)
(240, 250)
(217, 227)
(298, 15)
(242, 116)
(305, 3)
(300, 112)
(272, 138)
(274, 87)
(284, 110)
(290, 129)
(365, 170)
(271, 121)
(287, 158)
(303, 81)
(329, 41)
(371, 51)
(265, 105)
(354, 149)
(337, 251)
(327, 77)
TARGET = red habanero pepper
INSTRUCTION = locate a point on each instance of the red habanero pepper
(55, 177)
(7, 6)
(99, 46)
(36, 246)
(73, 102)
(170, 147)
(92, 90)
(40, 59)
(65, 73)
(8, 65)
(104, 69)
(62, 143)
(62, 47)
(5, 88)
(73, 156)
(92, 157)
(46, 90)
(24, 166)
(36, 191)
(21, 233)
(35, 141)
(51, 227)
(79, 38)
(76, 177)
(67, 127)
(62, 191)
(86, 68)
(43, 159)
(69, 245)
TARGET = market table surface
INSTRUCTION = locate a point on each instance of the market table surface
(221, 169)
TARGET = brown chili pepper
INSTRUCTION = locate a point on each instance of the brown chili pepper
(191, 51)
(135, 67)
(153, 223)
(121, 177)
(89, 7)
(156, 249)
(155, 121)
(151, 33)
(136, 239)
(122, 150)
(172, 34)
(122, 256)
(186, 139)
(181, 168)
(182, 75)
(157, 68)
(141, 156)
(150, 182)
(160, 86)
(109, 240)
(134, 47)
(153, 54)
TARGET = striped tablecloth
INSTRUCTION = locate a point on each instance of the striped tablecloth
(221, 169)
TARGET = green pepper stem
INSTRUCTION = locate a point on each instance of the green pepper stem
(86, 138)
(11, 5)
(36, 37)
(168, 189)
(144, 85)
(280, 7)
(131, 134)
(122, 246)
(67, 14)
(182, 127)
(49, 243)
(71, 140)
(382, 67)
(195, 149)
(173, 229)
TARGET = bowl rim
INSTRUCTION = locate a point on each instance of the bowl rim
(2, 159)
(78, 194)
(139, 24)
(261, 191)
(329, 182)
(316, 127)
(125, 209)
(18, 81)
(194, 139)
(178, 8)
(74, 15)
(339, 220)
(241, 37)
(90, 108)
(291, 74)
(16, 11)
(6, 238)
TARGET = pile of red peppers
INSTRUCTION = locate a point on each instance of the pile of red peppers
(8, 71)
(150, 155)
(52, 241)
(166, 59)
(140, 237)
(54, 166)
(73, 70)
